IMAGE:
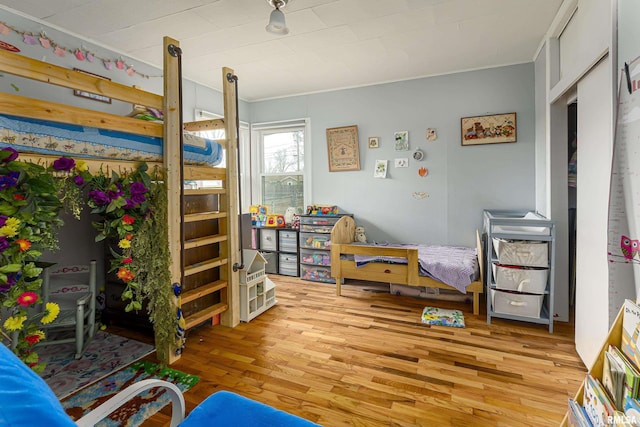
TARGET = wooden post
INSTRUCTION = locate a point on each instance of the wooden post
(231, 317)
(172, 131)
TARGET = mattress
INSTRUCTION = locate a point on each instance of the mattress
(457, 266)
(41, 136)
(520, 229)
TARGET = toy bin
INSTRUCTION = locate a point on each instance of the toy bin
(288, 240)
(532, 280)
(522, 252)
(315, 241)
(288, 264)
(309, 256)
(517, 304)
(316, 273)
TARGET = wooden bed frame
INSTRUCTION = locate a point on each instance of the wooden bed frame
(404, 274)
(227, 288)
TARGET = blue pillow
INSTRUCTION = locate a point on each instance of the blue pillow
(25, 399)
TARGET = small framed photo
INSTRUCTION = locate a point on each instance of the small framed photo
(491, 129)
(374, 142)
(402, 140)
(381, 169)
(401, 163)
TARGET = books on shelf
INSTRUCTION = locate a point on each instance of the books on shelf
(596, 402)
(630, 329)
(577, 415)
(619, 376)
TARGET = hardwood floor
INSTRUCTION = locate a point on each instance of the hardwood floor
(364, 359)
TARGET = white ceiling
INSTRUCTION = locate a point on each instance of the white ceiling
(331, 44)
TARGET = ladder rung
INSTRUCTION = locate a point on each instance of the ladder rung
(204, 216)
(203, 241)
(203, 290)
(203, 266)
(198, 317)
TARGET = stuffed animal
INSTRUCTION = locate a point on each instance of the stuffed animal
(288, 215)
(360, 235)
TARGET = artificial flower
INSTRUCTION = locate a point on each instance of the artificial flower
(98, 197)
(9, 180)
(8, 230)
(35, 337)
(8, 154)
(78, 180)
(127, 260)
(4, 243)
(82, 166)
(124, 244)
(125, 275)
(51, 311)
(14, 323)
(27, 298)
(129, 236)
(24, 244)
(128, 219)
(19, 196)
(64, 164)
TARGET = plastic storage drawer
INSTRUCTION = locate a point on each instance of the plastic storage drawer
(318, 224)
(288, 264)
(268, 239)
(316, 273)
(519, 252)
(272, 262)
(315, 241)
(288, 241)
(309, 256)
(517, 304)
(532, 280)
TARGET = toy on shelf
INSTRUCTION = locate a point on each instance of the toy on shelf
(258, 215)
(322, 210)
(275, 220)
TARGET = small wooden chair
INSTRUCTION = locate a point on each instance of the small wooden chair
(73, 288)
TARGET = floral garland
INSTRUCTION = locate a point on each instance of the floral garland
(29, 207)
(31, 197)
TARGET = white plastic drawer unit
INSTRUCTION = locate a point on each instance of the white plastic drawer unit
(318, 224)
(532, 280)
(522, 252)
(268, 240)
(288, 240)
(517, 304)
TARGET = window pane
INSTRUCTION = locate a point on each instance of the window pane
(281, 191)
(283, 152)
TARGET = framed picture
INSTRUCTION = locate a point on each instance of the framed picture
(342, 144)
(373, 142)
(402, 140)
(381, 169)
(491, 129)
(90, 95)
(401, 163)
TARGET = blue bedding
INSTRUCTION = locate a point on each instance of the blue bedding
(40, 136)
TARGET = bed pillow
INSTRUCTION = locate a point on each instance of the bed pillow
(442, 317)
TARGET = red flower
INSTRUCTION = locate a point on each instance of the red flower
(127, 260)
(33, 339)
(27, 299)
(129, 236)
(128, 219)
(24, 244)
(18, 196)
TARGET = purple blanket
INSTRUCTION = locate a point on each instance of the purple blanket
(455, 266)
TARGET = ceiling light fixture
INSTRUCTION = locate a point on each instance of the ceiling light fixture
(276, 20)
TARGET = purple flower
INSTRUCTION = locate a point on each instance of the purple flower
(10, 180)
(8, 154)
(4, 243)
(137, 188)
(64, 164)
(138, 198)
(129, 204)
(113, 194)
(12, 279)
(3, 220)
(78, 180)
(98, 197)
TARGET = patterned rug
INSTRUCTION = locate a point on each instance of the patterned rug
(138, 409)
(105, 354)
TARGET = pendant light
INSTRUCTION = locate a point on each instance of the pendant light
(277, 25)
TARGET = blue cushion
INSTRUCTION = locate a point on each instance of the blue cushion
(229, 409)
(25, 399)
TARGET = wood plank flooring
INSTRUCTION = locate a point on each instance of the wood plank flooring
(365, 359)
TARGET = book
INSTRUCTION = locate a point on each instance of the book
(632, 375)
(630, 330)
(632, 410)
(597, 403)
(577, 415)
(614, 378)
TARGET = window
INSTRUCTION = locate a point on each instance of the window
(282, 177)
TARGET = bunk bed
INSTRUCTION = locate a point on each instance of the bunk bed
(41, 130)
(398, 264)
